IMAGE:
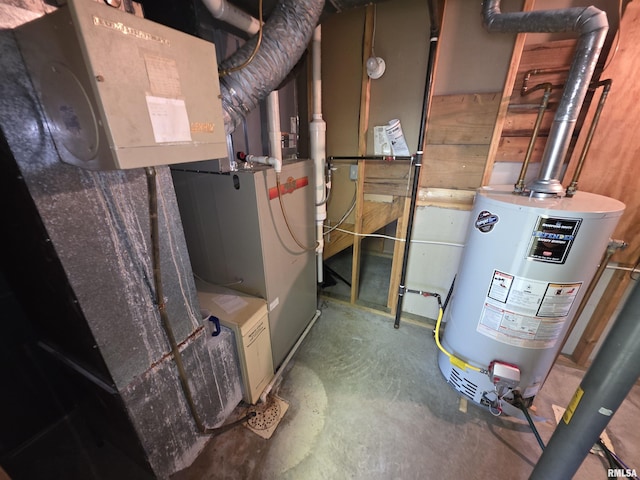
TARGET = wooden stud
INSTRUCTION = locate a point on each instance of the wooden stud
(504, 103)
(398, 254)
(365, 96)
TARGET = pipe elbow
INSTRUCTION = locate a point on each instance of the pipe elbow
(490, 10)
(215, 7)
(592, 19)
(276, 163)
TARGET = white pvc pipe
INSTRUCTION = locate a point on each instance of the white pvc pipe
(316, 71)
(318, 150)
(222, 10)
(273, 121)
(275, 162)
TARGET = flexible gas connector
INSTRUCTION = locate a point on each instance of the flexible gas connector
(455, 361)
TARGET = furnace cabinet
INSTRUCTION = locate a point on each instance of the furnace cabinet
(237, 237)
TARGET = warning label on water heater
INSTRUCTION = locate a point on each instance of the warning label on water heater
(524, 312)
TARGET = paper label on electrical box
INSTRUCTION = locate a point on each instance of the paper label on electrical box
(524, 312)
(381, 145)
(163, 76)
(169, 119)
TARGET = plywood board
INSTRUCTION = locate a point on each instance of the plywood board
(458, 137)
(454, 166)
(462, 119)
(514, 149)
(392, 178)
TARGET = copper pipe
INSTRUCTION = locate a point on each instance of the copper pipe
(539, 71)
(519, 185)
(573, 187)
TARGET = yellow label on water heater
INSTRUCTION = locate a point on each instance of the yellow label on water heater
(573, 404)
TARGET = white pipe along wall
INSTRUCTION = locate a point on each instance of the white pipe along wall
(223, 10)
(273, 122)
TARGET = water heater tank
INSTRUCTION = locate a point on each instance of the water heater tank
(526, 265)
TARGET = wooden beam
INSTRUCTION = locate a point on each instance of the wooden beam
(358, 229)
(462, 119)
(363, 125)
(365, 90)
(453, 199)
(398, 254)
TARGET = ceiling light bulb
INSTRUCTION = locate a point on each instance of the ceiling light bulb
(375, 67)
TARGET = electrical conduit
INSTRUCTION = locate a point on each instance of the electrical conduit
(317, 142)
(426, 107)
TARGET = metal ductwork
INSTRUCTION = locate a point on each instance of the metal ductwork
(592, 26)
(284, 39)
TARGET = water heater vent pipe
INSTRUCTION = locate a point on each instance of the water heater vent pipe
(592, 26)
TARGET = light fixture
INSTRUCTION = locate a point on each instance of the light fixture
(375, 67)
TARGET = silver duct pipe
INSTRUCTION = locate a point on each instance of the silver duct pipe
(592, 26)
(284, 39)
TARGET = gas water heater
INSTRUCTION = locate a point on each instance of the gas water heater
(526, 264)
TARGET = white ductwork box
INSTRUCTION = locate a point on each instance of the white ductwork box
(247, 317)
(120, 91)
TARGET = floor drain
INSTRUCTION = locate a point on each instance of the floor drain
(267, 416)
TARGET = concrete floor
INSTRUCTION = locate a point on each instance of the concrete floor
(375, 271)
(367, 401)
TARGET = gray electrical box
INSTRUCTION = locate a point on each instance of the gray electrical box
(123, 92)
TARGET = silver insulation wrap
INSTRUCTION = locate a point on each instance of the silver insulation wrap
(284, 39)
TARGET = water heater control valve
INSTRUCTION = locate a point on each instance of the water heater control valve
(504, 374)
